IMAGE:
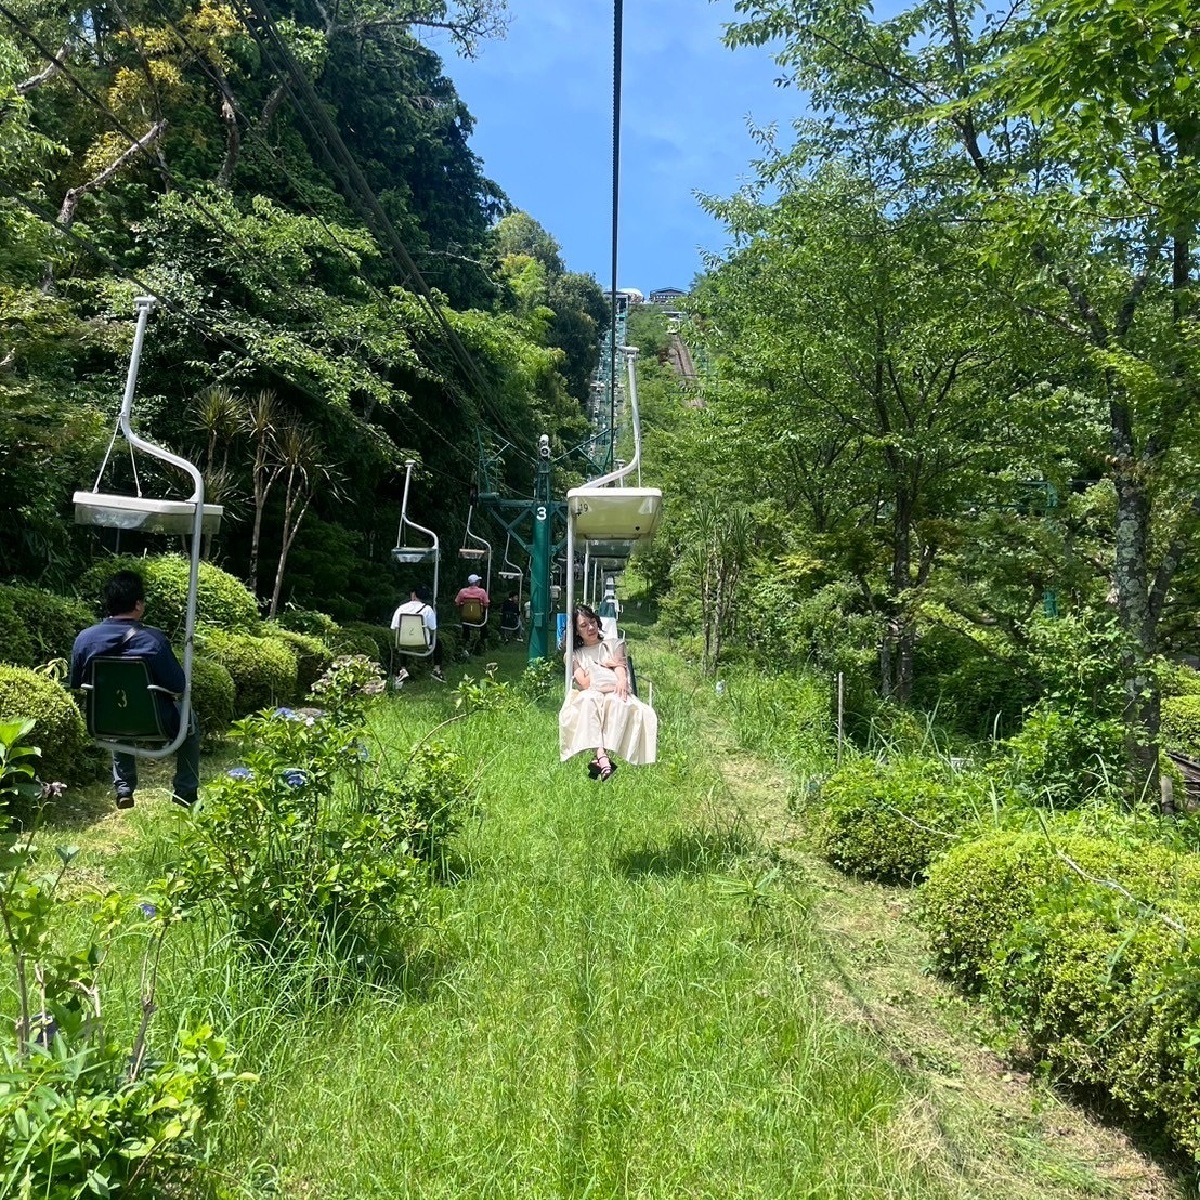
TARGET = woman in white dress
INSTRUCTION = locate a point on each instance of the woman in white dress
(602, 715)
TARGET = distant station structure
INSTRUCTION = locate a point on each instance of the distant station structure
(667, 295)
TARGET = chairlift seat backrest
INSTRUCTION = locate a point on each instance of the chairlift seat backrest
(122, 701)
(474, 612)
(413, 636)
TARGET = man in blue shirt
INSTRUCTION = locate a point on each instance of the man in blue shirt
(122, 633)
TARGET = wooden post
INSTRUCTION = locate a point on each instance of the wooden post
(841, 714)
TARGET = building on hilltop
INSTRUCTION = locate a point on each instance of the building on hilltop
(668, 295)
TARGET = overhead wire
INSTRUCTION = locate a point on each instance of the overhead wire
(350, 176)
(207, 329)
(263, 29)
(136, 142)
(277, 157)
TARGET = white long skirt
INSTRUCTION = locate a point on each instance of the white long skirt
(625, 728)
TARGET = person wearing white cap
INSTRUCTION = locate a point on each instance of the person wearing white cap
(473, 603)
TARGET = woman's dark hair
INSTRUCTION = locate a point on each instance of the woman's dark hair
(122, 592)
(583, 610)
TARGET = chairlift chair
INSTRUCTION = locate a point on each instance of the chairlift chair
(508, 572)
(474, 613)
(122, 712)
(606, 510)
(413, 638)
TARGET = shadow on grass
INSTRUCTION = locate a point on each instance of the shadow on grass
(697, 852)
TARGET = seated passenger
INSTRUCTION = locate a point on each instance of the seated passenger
(603, 715)
(418, 604)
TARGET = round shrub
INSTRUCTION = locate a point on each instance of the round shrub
(1107, 988)
(980, 891)
(315, 624)
(1181, 723)
(213, 696)
(313, 656)
(887, 821)
(16, 644)
(222, 601)
(67, 753)
(263, 668)
(51, 621)
(381, 636)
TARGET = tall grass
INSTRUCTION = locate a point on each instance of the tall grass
(620, 996)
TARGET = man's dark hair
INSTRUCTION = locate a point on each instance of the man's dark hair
(422, 593)
(122, 592)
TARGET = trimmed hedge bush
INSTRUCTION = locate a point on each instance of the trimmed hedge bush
(315, 624)
(67, 753)
(372, 640)
(213, 696)
(313, 656)
(264, 669)
(1105, 982)
(223, 601)
(16, 643)
(1181, 723)
(887, 821)
(51, 622)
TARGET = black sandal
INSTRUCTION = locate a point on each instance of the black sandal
(594, 769)
(606, 768)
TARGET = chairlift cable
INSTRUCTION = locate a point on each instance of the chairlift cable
(618, 44)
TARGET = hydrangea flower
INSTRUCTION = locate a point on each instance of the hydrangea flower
(362, 751)
(241, 774)
(148, 910)
(294, 777)
(288, 714)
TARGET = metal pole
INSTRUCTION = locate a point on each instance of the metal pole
(540, 615)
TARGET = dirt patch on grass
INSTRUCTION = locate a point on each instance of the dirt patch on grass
(993, 1130)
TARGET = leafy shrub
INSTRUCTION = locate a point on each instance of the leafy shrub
(50, 621)
(16, 643)
(309, 621)
(889, 820)
(263, 668)
(1181, 723)
(222, 600)
(81, 1112)
(213, 696)
(1178, 679)
(967, 685)
(980, 892)
(1093, 947)
(375, 640)
(1066, 757)
(67, 753)
(313, 656)
(313, 844)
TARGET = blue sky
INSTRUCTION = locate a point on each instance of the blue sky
(542, 102)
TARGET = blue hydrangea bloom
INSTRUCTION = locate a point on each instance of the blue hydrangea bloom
(242, 774)
(288, 714)
(148, 910)
(294, 777)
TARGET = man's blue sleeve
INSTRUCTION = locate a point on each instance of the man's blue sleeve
(164, 666)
